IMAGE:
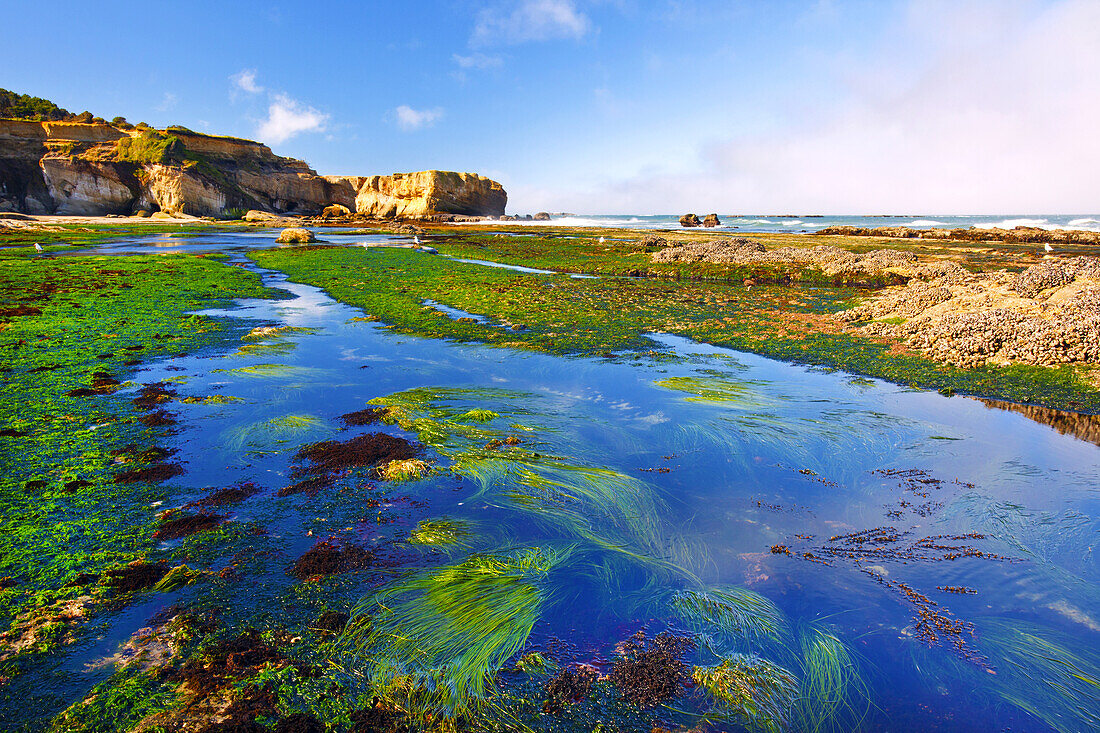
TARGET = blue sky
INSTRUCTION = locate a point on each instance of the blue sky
(617, 106)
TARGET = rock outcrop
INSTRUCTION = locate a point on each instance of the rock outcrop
(795, 263)
(1049, 314)
(96, 169)
(295, 235)
(425, 194)
(689, 220)
(973, 234)
(711, 220)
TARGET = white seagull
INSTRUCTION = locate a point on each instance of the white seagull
(37, 247)
(416, 239)
(1047, 247)
(601, 240)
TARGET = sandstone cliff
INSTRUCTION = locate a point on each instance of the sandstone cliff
(426, 193)
(94, 169)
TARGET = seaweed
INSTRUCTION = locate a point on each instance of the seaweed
(328, 558)
(174, 526)
(373, 449)
(569, 686)
(647, 672)
(437, 638)
(759, 694)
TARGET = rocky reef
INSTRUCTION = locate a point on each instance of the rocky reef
(973, 234)
(1047, 315)
(91, 169)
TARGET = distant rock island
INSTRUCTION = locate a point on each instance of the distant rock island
(84, 166)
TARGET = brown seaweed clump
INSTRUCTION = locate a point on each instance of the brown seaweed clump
(377, 719)
(150, 474)
(136, 576)
(151, 395)
(373, 449)
(648, 672)
(158, 419)
(228, 495)
(369, 416)
(299, 723)
(175, 526)
(568, 687)
(309, 486)
(333, 622)
(328, 558)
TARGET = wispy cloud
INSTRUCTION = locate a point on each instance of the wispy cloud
(966, 109)
(530, 20)
(410, 119)
(245, 80)
(167, 102)
(287, 117)
(477, 61)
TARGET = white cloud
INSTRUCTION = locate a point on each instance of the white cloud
(968, 106)
(530, 20)
(477, 61)
(167, 102)
(409, 119)
(245, 80)
(287, 117)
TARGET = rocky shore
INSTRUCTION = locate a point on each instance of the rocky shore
(833, 262)
(1047, 315)
(973, 234)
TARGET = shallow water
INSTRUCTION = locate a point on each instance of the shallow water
(812, 223)
(675, 473)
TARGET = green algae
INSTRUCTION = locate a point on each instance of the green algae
(76, 318)
(732, 618)
(441, 635)
(608, 315)
(751, 690)
(832, 694)
(440, 532)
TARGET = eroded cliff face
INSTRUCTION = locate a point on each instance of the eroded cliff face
(94, 169)
(427, 193)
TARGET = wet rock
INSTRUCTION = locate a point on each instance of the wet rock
(711, 220)
(542, 216)
(296, 235)
(335, 211)
(689, 220)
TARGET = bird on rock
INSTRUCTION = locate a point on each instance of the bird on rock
(37, 247)
(1048, 248)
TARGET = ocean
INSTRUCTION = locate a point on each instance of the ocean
(806, 223)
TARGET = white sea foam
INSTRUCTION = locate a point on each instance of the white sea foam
(1086, 222)
(791, 223)
(1013, 223)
